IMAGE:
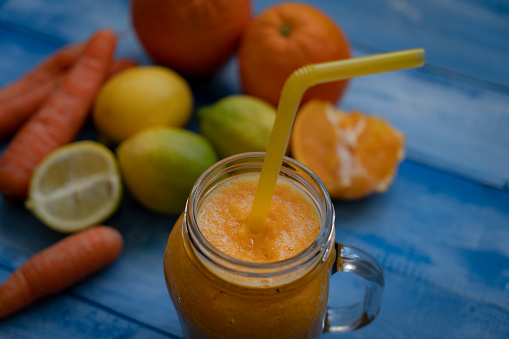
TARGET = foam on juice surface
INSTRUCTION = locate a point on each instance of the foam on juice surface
(292, 225)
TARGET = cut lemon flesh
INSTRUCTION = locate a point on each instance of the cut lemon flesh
(75, 187)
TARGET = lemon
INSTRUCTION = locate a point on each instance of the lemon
(161, 164)
(141, 97)
(75, 187)
(237, 124)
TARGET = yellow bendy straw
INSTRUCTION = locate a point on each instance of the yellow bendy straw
(295, 86)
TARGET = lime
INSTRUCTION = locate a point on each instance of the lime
(75, 187)
(141, 97)
(161, 164)
(237, 124)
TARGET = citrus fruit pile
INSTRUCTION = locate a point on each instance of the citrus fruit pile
(142, 112)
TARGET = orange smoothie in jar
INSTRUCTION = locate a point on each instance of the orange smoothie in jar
(228, 303)
(292, 224)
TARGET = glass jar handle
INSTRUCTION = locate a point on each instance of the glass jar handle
(348, 318)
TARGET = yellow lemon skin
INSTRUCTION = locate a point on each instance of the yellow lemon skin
(141, 97)
(161, 164)
(237, 124)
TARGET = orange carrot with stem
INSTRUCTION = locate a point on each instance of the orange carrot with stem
(20, 99)
(59, 267)
(60, 119)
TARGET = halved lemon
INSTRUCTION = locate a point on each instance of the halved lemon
(76, 186)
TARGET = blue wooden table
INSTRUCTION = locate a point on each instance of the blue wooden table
(441, 232)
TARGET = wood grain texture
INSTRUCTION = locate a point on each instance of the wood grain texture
(68, 316)
(440, 232)
(437, 228)
(413, 309)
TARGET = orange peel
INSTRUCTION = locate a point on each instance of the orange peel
(355, 155)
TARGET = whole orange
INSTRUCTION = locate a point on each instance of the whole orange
(281, 40)
(192, 37)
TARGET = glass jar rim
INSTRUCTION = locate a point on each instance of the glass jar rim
(258, 269)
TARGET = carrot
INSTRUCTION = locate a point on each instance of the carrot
(60, 119)
(59, 266)
(20, 99)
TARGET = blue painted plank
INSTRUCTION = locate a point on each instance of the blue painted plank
(468, 37)
(19, 54)
(76, 20)
(143, 295)
(413, 309)
(450, 125)
(436, 228)
(68, 316)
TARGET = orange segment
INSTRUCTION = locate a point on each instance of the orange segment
(355, 155)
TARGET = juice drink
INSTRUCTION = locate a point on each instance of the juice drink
(226, 282)
(292, 225)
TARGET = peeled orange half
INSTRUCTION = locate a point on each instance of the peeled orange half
(355, 155)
